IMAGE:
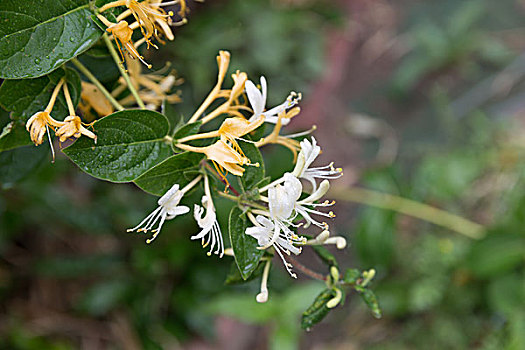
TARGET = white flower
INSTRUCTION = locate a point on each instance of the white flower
(258, 102)
(208, 223)
(168, 209)
(274, 233)
(283, 201)
(309, 152)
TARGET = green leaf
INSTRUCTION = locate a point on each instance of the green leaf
(129, 143)
(370, 300)
(18, 163)
(318, 310)
(253, 174)
(247, 256)
(187, 130)
(234, 276)
(496, 254)
(14, 135)
(163, 176)
(174, 117)
(25, 97)
(39, 36)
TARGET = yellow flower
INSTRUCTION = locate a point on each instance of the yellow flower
(38, 124)
(72, 127)
(93, 98)
(122, 34)
(223, 155)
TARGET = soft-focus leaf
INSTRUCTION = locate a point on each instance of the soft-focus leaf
(496, 254)
(14, 135)
(325, 255)
(247, 256)
(163, 176)
(129, 143)
(370, 300)
(18, 163)
(318, 310)
(39, 36)
(507, 294)
(174, 117)
(25, 97)
(234, 276)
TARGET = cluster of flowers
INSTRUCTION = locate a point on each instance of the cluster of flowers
(281, 208)
(273, 227)
(40, 123)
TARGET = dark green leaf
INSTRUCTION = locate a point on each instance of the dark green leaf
(318, 310)
(129, 143)
(163, 176)
(25, 97)
(39, 36)
(18, 163)
(234, 276)
(253, 174)
(14, 135)
(187, 130)
(247, 256)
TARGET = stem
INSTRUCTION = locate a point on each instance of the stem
(306, 270)
(123, 72)
(97, 83)
(411, 208)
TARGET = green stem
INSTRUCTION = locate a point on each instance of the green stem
(123, 72)
(97, 83)
(411, 208)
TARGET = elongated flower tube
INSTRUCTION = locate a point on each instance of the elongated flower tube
(168, 209)
(92, 97)
(209, 225)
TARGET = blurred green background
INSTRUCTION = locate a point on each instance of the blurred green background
(421, 99)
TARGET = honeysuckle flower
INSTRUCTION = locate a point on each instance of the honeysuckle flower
(73, 128)
(149, 16)
(39, 123)
(283, 201)
(209, 225)
(257, 99)
(92, 97)
(231, 130)
(223, 155)
(168, 209)
(122, 34)
(274, 233)
(72, 125)
(309, 152)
